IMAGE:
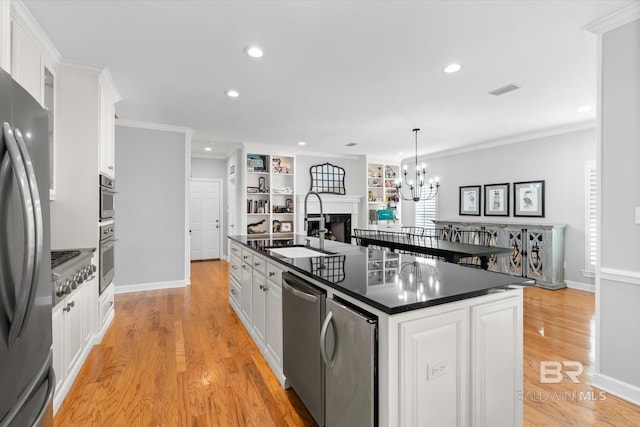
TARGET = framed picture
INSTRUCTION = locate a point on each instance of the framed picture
(232, 169)
(256, 163)
(286, 226)
(496, 200)
(289, 205)
(470, 198)
(528, 199)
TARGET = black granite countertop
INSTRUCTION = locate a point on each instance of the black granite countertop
(393, 283)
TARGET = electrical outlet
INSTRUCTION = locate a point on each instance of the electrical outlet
(436, 369)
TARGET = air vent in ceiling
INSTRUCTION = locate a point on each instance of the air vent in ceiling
(504, 89)
(351, 144)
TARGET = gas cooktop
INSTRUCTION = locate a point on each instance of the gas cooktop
(60, 257)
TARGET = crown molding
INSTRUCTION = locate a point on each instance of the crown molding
(107, 80)
(81, 67)
(21, 15)
(154, 126)
(614, 20)
(590, 124)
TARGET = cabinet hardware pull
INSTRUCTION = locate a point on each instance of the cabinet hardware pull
(272, 273)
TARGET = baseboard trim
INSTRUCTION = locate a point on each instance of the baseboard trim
(580, 286)
(143, 287)
(616, 387)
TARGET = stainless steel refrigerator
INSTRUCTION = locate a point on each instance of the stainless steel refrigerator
(26, 374)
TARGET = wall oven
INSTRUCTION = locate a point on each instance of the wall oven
(107, 197)
(107, 241)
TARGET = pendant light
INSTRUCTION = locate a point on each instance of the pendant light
(419, 190)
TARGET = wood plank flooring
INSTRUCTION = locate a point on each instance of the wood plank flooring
(181, 357)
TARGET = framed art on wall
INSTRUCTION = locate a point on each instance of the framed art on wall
(286, 226)
(496, 200)
(470, 198)
(528, 199)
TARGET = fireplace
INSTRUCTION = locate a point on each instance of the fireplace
(338, 227)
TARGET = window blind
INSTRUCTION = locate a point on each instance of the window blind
(426, 212)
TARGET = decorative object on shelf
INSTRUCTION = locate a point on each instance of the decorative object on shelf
(285, 190)
(286, 226)
(389, 173)
(277, 166)
(470, 199)
(256, 163)
(275, 226)
(528, 199)
(327, 178)
(496, 200)
(417, 190)
(289, 205)
(262, 185)
(253, 190)
(257, 227)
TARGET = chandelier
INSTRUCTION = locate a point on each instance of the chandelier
(419, 190)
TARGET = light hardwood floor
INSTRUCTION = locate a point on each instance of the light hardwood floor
(182, 358)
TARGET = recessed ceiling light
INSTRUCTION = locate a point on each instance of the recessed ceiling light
(302, 143)
(351, 144)
(401, 154)
(584, 109)
(254, 51)
(233, 93)
(208, 148)
(452, 68)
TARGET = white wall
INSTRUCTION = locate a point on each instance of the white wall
(618, 280)
(559, 160)
(150, 209)
(74, 212)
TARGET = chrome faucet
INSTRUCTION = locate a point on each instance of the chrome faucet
(322, 231)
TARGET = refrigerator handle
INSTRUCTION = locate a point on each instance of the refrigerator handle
(51, 386)
(323, 341)
(39, 225)
(29, 233)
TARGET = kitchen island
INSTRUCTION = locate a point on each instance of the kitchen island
(449, 337)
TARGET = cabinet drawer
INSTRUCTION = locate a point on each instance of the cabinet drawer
(274, 273)
(236, 250)
(234, 291)
(235, 267)
(247, 256)
(106, 303)
(260, 264)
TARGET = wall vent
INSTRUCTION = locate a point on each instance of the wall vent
(504, 89)
(351, 144)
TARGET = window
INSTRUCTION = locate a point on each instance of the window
(590, 223)
(426, 212)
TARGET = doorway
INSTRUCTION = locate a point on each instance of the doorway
(205, 219)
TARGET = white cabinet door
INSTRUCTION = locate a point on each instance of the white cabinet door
(59, 350)
(107, 132)
(26, 61)
(73, 311)
(434, 370)
(259, 305)
(246, 292)
(496, 363)
(273, 336)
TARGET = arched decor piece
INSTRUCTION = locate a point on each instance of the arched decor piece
(327, 178)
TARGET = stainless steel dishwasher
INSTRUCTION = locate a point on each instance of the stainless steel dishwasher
(348, 344)
(303, 308)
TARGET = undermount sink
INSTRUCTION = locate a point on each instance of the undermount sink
(298, 252)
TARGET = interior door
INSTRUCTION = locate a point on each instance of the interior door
(205, 221)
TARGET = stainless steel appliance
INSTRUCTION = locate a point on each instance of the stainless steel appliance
(348, 345)
(107, 197)
(302, 314)
(69, 269)
(107, 263)
(27, 379)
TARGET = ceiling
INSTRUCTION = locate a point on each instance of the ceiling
(334, 73)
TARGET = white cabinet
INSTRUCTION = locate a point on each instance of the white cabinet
(106, 304)
(26, 61)
(255, 294)
(72, 332)
(496, 363)
(433, 370)
(107, 127)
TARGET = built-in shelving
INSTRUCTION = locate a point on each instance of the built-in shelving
(381, 188)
